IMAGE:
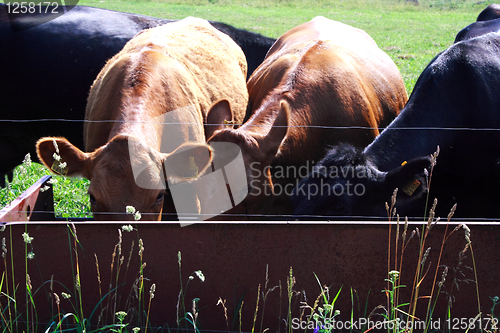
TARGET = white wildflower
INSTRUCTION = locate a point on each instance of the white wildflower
(27, 239)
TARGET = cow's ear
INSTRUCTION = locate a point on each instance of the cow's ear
(409, 178)
(187, 162)
(60, 156)
(218, 117)
(271, 142)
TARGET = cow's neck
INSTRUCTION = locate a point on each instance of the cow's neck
(137, 120)
(416, 132)
(163, 124)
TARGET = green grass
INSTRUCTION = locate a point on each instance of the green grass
(70, 194)
(410, 34)
(124, 303)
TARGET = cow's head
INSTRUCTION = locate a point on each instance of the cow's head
(124, 172)
(259, 144)
(346, 183)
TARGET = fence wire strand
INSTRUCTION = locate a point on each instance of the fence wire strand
(282, 218)
(240, 124)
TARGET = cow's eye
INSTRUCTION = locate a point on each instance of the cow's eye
(338, 208)
(160, 197)
(93, 200)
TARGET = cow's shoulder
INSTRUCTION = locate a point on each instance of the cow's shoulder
(489, 13)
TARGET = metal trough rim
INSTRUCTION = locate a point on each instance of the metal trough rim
(30, 198)
(18, 207)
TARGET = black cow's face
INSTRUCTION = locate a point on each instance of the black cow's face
(339, 191)
(345, 184)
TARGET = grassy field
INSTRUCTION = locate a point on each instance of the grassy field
(410, 34)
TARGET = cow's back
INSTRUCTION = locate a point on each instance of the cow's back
(477, 29)
(202, 65)
(213, 58)
(343, 78)
(489, 13)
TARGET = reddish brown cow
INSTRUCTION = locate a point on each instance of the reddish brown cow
(321, 73)
(171, 74)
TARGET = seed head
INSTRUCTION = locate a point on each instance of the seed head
(141, 247)
(434, 157)
(4, 248)
(120, 315)
(77, 284)
(152, 291)
(432, 212)
(426, 254)
(27, 239)
(127, 228)
(28, 281)
(467, 232)
(452, 212)
(132, 210)
(393, 275)
(394, 195)
(200, 275)
(443, 277)
(405, 229)
(27, 160)
(55, 145)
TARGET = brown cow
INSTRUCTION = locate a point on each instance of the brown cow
(321, 73)
(145, 116)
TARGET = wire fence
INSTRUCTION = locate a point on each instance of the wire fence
(273, 219)
(416, 128)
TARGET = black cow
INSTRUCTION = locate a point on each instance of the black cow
(47, 70)
(489, 13)
(478, 29)
(487, 21)
(455, 105)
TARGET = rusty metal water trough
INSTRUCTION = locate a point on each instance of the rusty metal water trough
(243, 260)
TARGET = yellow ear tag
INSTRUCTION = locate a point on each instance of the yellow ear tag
(56, 167)
(411, 187)
(404, 163)
(191, 169)
(228, 123)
